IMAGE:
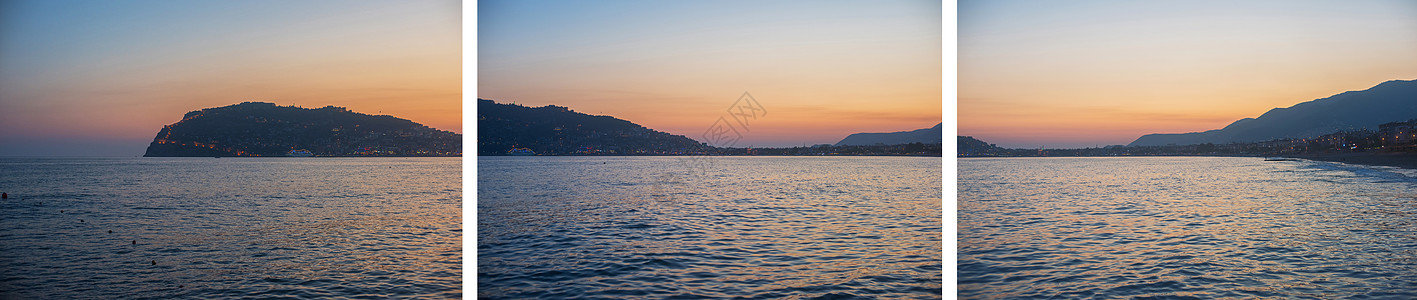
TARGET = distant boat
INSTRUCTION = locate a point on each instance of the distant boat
(300, 153)
(520, 152)
(1280, 159)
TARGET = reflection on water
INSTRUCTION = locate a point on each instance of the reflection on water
(238, 227)
(1195, 227)
(560, 227)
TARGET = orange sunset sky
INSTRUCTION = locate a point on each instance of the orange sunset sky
(1072, 74)
(100, 78)
(821, 69)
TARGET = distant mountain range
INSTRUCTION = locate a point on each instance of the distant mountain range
(932, 135)
(1390, 101)
(558, 130)
(264, 129)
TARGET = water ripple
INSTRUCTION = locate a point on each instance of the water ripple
(230, 228)
(754, 227)
(1184, 228)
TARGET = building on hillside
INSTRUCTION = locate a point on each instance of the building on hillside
(1398, 134)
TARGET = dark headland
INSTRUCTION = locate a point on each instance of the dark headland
(511, 129)
(265, 129)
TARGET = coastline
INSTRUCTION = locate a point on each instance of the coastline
(1405, 160)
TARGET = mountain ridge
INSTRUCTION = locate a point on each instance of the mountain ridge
(1389, 101)
(932, 135)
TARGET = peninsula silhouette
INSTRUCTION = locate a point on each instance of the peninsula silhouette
(265, 129)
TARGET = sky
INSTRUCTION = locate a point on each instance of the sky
(1073, 74)
(821, 70)
(101, 78)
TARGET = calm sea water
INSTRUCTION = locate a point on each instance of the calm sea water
(230, 228)
(1185, 227)
(659, 227)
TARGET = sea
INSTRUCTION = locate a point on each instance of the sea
(694, 227)
(207, 228)
(1184, 228)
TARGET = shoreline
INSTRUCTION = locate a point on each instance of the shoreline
(1405, 160)
(609, 155)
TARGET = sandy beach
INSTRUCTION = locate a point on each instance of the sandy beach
(1404, 160)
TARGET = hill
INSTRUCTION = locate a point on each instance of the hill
(969, 146)
(931, 135)
(558, 130)
(264, 129)
(1354, 110)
